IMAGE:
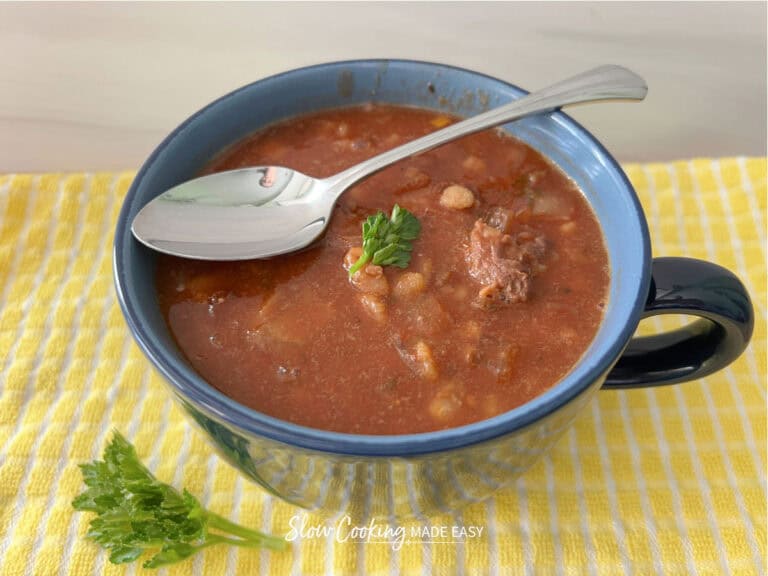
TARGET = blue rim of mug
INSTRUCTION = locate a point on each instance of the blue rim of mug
(213, 403)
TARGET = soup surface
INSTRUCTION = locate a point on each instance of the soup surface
(504, 292)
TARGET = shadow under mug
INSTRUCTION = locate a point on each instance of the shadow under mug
(438, 472)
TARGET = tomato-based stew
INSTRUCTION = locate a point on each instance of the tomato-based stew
(504, 291)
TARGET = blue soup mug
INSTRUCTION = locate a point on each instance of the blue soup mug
(413, 474)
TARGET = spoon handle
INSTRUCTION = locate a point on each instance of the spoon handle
(602, 83)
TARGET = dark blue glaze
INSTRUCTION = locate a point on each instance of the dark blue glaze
(691, 287)
(387, 475)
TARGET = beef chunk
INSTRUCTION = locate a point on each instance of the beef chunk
(499, 218)
(504, 263)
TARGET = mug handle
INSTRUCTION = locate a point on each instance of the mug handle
(722, 332)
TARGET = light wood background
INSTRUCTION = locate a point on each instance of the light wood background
(97, 86)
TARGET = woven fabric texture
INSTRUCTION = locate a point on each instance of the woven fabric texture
(669, 480)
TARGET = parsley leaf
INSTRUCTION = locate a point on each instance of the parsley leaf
(137, 513)
(388, 242)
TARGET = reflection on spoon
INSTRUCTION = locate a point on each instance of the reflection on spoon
(270, 173)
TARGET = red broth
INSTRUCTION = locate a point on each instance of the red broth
(504, 292)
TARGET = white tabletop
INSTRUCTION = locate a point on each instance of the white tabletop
(96, 87)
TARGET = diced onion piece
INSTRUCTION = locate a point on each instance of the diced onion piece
(446, 402)
(375, 307)
(457, 292)
(370, 279)
(555, 207)
(426, 269)
(409, 284)
(474, 164)
(426, 315)
(413, 179)
(425, 362)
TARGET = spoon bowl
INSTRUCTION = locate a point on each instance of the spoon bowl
(271, 210)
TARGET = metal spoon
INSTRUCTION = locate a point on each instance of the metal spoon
(270, 210)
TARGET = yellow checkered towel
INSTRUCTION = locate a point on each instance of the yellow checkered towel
(667, 480)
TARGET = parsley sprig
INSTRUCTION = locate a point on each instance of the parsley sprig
(137, 513)
(388, 241)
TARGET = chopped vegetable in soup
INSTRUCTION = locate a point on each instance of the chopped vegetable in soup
(503, 292)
